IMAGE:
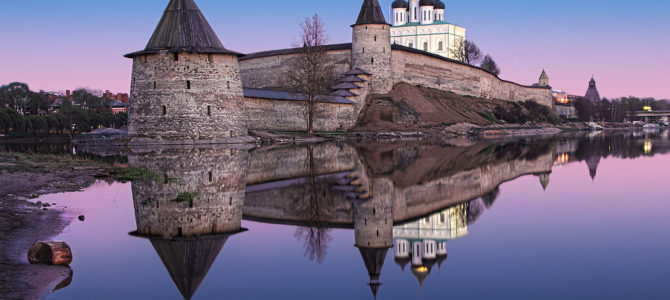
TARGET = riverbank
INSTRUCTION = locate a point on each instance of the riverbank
(22, 223)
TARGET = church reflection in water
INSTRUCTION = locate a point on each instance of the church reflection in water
(409, 199)
(423, 243)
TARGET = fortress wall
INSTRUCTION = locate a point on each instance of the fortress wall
(407, 203)
(284, 115)
(288, 163)
(433, 72)
(269, 71)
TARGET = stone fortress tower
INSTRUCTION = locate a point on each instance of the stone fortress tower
(190, 208)
(185, 84)
(371, 46)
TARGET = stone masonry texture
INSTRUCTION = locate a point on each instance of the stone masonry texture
(186, 97)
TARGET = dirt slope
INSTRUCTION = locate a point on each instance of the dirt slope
(409, 107)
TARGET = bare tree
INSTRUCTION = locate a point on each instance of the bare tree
(467, 52)
(490, 65)
(315, 233)
(311, 73)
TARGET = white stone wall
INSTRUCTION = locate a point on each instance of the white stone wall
(430, 36)
(426, 15)
(414, 10)
(399, 16)
(439, 14)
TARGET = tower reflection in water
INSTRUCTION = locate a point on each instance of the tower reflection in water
(392, 195)
(188, 208)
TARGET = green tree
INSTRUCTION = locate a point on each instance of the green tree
(585, 109)
(5, 121)
(52, 122)
(17, 96)
(38, 123)
(18, 123)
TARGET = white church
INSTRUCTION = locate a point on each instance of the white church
(420, 24)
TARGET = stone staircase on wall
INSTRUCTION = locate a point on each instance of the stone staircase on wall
(352, 85)
(355, 185)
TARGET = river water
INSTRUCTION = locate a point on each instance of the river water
(569, 217)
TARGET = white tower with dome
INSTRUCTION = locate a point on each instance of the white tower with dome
(420, 24)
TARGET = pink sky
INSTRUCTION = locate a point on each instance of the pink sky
(79, 43)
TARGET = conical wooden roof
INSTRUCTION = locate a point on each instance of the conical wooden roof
(371, 13)
(374, 261)
(183, 28)
(188, 259)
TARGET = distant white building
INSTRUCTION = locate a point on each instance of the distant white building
(420, 24)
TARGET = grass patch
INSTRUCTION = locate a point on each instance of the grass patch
(40, 163)
(130, 174)
(488, 118)
(186, 197)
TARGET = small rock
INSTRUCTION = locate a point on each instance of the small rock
(81, 218)
(38, 203)
(46, 204)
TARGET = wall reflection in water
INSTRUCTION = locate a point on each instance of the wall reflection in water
(413, 197)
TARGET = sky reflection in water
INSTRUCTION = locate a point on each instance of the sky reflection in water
(604, 237)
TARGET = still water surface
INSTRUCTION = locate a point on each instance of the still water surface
(560, 218)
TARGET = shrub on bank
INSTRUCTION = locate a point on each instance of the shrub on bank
(13, 123)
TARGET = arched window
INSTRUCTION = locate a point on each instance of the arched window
(425, 46)
(411, 45)
(440, 46)
(415, 13)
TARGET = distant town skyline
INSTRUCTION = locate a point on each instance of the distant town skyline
(55, 46)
